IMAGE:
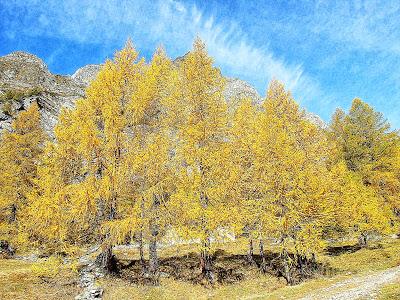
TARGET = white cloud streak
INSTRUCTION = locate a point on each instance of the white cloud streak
(347, 26)
(169, 22)
(367, 25)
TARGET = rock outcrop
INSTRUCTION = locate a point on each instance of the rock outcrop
(315, 119)
(89, 272)
(86, 74)
(25, 78)
(237, 89)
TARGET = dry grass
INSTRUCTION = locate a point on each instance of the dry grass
(378, 256)
(390, 292)
(19, 281)
(175, 289)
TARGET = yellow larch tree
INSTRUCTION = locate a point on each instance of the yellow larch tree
(198, 118)
(20, 154)
(96, 133)
(243, 136)
(148, 178)
(358, 209)
(47, 219)
(291, 161)
(369, 149)
(62, 211)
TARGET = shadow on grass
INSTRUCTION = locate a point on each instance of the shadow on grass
(227, 268)
(339, 250)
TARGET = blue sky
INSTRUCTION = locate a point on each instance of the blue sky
(326, 52)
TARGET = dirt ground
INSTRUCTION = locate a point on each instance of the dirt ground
(228, 268)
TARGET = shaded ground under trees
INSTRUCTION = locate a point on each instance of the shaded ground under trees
(227, 268)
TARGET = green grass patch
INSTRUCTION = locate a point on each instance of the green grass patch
(16, 95)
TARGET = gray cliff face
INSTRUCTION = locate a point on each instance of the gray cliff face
(20, 69)
(237, 89)
(25, 79)
(86, 74)
(315, 119)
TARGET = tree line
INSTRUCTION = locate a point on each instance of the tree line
(155, 147)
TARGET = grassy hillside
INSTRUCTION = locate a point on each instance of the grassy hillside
(27, 280)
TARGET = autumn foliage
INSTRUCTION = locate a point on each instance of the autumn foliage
(155, 148)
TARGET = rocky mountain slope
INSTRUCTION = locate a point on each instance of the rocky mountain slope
(25, 78)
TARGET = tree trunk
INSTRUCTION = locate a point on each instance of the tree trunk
(206, 262)
(286, 268)
(153, 259)
(205, 256)
(106, 261)
(154, 230)
(250, 253)
(313, 261)
(141, 250)
(263, 265)
(301, 261)
(141, 246)
(397, 213)
(363, 240)
(13, 213)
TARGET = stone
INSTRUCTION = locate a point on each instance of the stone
(86, 74)
(28, 75)
(5, 249)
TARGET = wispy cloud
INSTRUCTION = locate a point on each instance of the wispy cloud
(233, 50)
(170, 22)
(330, 51)
(367, 25)
(367, 36)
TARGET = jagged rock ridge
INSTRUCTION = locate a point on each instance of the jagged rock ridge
(86, 74)
(25, 78)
